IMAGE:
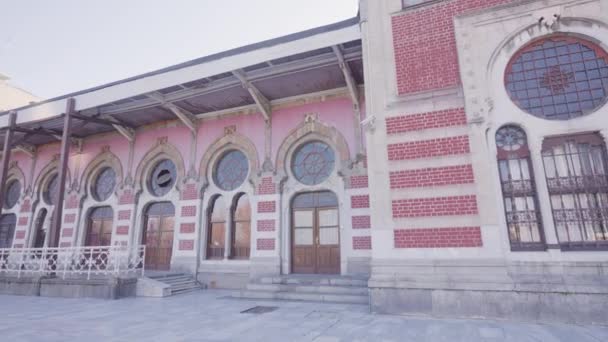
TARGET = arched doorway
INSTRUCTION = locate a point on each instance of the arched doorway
(39, 232)
(99, 232)
(315, 245)
(158, 235)
(7, 230)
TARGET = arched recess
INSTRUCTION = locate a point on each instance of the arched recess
(163, 150)
(15, 173)
(308, 131)
(90, 173)
(45, 175)
(226, 143)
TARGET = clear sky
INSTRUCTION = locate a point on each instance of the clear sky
(53, 47)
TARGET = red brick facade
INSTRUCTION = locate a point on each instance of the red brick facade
(71, 202)
(189, 192)
(186, 228)
(186, 245)
(26, 206)
(127, 198)
(437, 176)
(361, 222)
(69, 218)
(425, 45)
(122, 230)
(188, 211)
(20, 234)
(438, 237)
(436, 206)
(124, 214)
(266, 225)
(67, 232)
(360, 201)
(267, 187)
(266, 207)
(362, 242)
(22, 221)
(429, 148)
(358, 182)
(265, 244)
(416, 122)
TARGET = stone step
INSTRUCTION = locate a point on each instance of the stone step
(172, 277)
(186, 290)
(323, 289)
(191, 285)
(177, 281)
(313, 280)
(302, 296)
(165, 275)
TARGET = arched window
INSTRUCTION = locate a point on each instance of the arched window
(51, 191)
(231, 170)
(104, 184)
(39, 232)
(313, 162)
(7, 230)
(519, 190)
(216, 239)
(241, 228)
(100, 227)
(559, 77)
(577, 178)
(162, 177)
(13, 191)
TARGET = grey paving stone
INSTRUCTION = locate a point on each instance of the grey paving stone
(211, 316)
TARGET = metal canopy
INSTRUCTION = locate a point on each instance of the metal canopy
(258, 84)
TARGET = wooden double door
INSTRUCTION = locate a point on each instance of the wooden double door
(315, 233)
(158, 235)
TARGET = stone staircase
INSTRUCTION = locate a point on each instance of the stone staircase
(309, 288)
(178, 283)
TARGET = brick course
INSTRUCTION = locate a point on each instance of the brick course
(361, 222)
(20, 234)
(438, 176)
(267, 187)
(429, 148)
(416, 122)
(69, 218)
(126, 198)
(189, 192)
(186, 245)
(265, 244)
(266, 207)
(362, 242)
(266, 225)
(425, 45)
(188, 211)
(26, 206)
(71, 202)
(186, 228)
(359, 182)
(436, 206)
(359, 201)
(22, 221)
(122, 230)
(124, 214)
(438, 237)
(67, 232)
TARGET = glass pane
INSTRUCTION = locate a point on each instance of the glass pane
(328, 217)
(243, 209)
(152, 230)
(313, 162)
(329, 236)
(242, 234)
(231, 170)
(161, 208)
(105, 183)
(162, 178)
(12, 194)
(218, 235)
(218, 213)
(303, 236)
(303, 218)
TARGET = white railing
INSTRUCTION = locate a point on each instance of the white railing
(73, 261)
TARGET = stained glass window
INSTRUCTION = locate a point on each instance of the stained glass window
(241, 228)
(231, 170)
(558, 78)
(313, 162)
(13, 191)
(104, 184)
(52, 188)
(519, 190)
(162, 178)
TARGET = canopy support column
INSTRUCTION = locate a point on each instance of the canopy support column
(6, 155)
(55, 230)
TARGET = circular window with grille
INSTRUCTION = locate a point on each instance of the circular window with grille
(231, 170)
(13, 191)
(559, 77)
(104, 184)
(313, 162)
(51, 191)
(162, 178)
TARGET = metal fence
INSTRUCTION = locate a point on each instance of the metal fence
(73, 261)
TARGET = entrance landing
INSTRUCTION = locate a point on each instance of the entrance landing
(309, 288)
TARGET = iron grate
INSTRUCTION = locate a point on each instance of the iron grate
(260, 309)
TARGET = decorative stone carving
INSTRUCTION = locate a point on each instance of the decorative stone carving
(369, 124)
(228, 130)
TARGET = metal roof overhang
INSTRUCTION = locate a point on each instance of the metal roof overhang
(316, 60)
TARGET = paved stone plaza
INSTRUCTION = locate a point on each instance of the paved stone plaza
(210, 316)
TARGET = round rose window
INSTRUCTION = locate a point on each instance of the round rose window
(558, 78)
(313, 162)
(104, 184)
(231, 170)
(162, 178)
(13, 191)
